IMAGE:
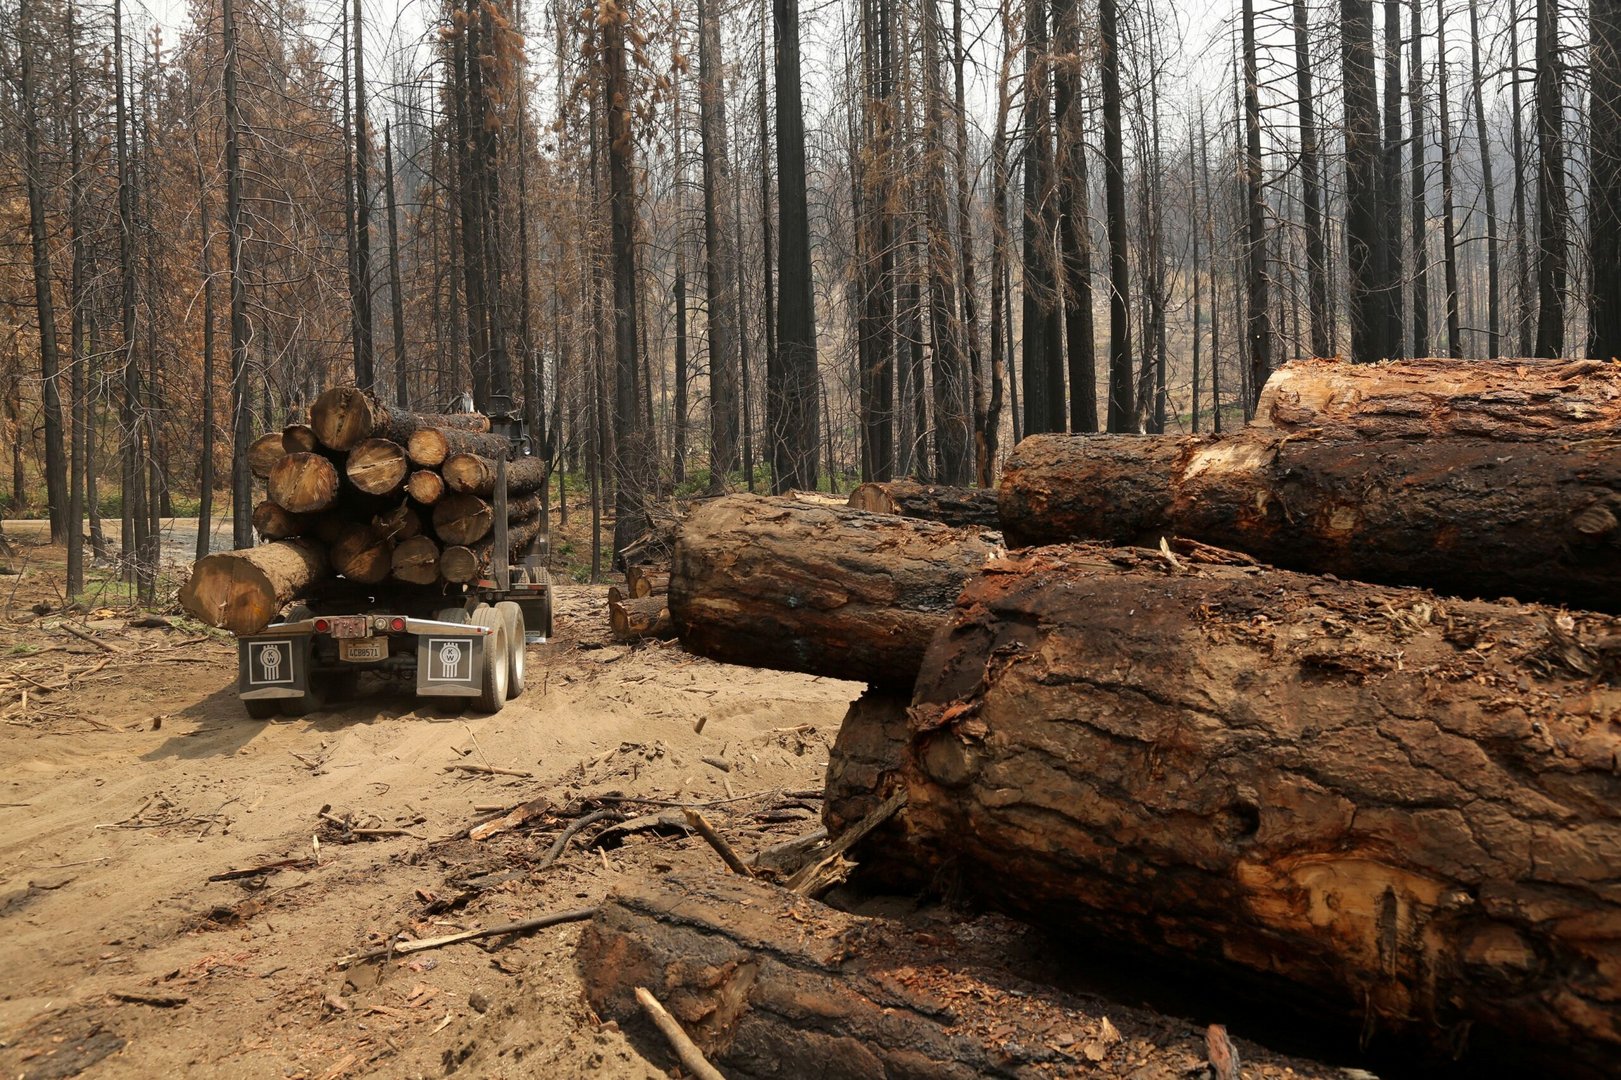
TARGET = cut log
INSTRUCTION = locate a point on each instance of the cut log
(1402, 808)
(1468, 517)
(425, 486)
(272, 522)
(823, 590)
(636, 619)
(241, 591)
(1415, 399)
(429, 447)
(759, 977)
(642, 581)
(304, 483)
(344, 416)
(460, 564)
(400, 523)
(362, 553)
(416, 561)
(932, 502)
(299, 439)
(377, 466)
(466, 519)
(471, 474)
(263, 453)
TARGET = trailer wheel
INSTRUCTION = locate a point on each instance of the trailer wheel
(493, 694)
(311, 700)
(516, 646)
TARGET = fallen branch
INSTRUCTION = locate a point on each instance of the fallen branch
(722, 848)
(487, 770)
(806, 878)
(569, 833)
(692, 1058)
(266, 868)
(82, 636)
(141, 997)
(403, 948)
(511, 819)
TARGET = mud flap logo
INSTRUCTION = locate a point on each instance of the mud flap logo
(270, 663)
(450, 660)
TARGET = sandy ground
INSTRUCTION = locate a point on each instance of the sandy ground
(129, 777)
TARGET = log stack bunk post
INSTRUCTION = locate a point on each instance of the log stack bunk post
(375, 495)
(1397, 810)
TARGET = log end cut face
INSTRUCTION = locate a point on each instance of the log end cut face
(342, 417)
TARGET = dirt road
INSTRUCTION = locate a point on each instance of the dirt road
(130, 777)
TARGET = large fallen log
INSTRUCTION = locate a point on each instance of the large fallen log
(1469, 517)
(932, 502)
(345, 416)
(1416, 399)
(824, 590)
(770, 984)
(304, 483)
(1399, 807)
(241, 591)
(471, 474)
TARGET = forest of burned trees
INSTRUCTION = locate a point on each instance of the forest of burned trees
(727, 246)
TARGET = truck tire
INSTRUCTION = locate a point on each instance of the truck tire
(516, 646)
(311, 700)
(493, 693)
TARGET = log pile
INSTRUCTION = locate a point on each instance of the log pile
(641, 610)
(1358, 782)
(373, 494)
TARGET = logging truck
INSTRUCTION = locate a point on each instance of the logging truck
(459, 644)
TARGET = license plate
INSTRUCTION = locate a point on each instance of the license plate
(364, 650)
(349, 626)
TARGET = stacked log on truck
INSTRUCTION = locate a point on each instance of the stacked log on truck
(1392, 808)
(373, 494)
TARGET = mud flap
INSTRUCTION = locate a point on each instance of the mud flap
(450, 665)
(273, 666)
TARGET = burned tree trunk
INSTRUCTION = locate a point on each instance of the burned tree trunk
(827, 591)
(757, 977)
(241, 591)
(932, 502)
(1509, 400)
(1419, 826)
(1459, 515)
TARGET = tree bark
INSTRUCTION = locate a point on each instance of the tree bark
(345, 416)
(241, 395)
(472, 474)
(304, 483)
(1458, 515)
(1488, 187)
(931, 502)
(1259, 323)
(1511, 400)
(720, 253)
(1449, 232)
(1417, 830)
(1121, 408)
(759, 977)
(827, 591)
(1420, 208)
(241, 591)
(431, 446)
(1310, 187)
